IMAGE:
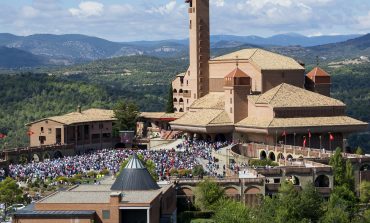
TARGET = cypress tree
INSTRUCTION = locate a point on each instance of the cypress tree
(169, 107)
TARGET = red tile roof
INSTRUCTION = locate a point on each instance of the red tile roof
(317, 72)
(236, 73)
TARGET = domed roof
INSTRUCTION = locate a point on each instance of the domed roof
(135, 176)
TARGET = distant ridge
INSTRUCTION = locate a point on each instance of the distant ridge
(47, 49)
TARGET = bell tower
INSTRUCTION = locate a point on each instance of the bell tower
(199, 49)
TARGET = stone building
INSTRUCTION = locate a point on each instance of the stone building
(87, 129)
(254, 95)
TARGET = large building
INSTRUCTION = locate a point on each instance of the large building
(87, 129)
(133, 197)
(254, 95)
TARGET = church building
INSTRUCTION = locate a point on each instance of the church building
(254, 95)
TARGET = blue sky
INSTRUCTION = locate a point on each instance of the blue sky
(128, 20)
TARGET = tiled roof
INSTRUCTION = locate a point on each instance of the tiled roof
(154, 115)
(264, 59)
(204, 117)
(213, 100)
(317, 72)
(286, 95)
(90, 115)
(159, 115)
(300, 122)
(236, 73)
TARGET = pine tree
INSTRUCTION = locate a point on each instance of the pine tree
(169, 107)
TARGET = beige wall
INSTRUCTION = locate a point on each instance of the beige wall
(260, 111)
(219, 69)
(49, 132)
(272, 78)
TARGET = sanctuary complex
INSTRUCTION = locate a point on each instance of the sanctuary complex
(254, 95)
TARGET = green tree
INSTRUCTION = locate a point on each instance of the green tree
(365, 192)
(228, 210)
(198, 170)
(344, 199)
(169, 106)
(10, 193)
(359, 151)
(337, 163)
(311, 205)
(126, 113)
(207, 194)
(335, 215)
(288, 208)
(349, 178)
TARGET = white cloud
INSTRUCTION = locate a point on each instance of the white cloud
(87, 9)
(29, 12)
(363, 22)
(164, 9)
(120, 9)
(218, 3)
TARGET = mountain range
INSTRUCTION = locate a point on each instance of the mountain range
(47, 49)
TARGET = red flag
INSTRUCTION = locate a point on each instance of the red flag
(283, 134)
(309, 134)
(2, 136)
(331, 137)
(304, 141)
(29, 133)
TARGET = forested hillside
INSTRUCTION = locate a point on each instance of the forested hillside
(29, 97)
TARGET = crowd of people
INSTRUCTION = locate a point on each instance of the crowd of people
(186, 155)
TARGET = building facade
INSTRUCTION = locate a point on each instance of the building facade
(89, 129)
(254, 95)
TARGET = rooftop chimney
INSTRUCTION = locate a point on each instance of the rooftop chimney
(79, 108)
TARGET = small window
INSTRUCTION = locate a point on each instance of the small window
(190, 24)
(231, 91)
(231, 110)
(42, 129)
(49, 130)
(187, 83)
(231, 100)
(187, 101)
(106, 214)
(42, 139)
(46, 121)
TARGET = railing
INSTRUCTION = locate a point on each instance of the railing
(38, 148)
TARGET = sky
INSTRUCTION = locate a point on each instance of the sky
(133, 20)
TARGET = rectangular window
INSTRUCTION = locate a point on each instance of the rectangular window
(231, 110)
(231, 91)
(195, 96)
(106, 214)
(190, 24)
(231, 100)
(42, 129)
(49, 130)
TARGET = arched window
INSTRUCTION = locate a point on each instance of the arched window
(181, 100)
(181, 110)
(174, 91)
(181, 91)
(175, 100)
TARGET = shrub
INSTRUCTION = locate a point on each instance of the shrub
(255, 162)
